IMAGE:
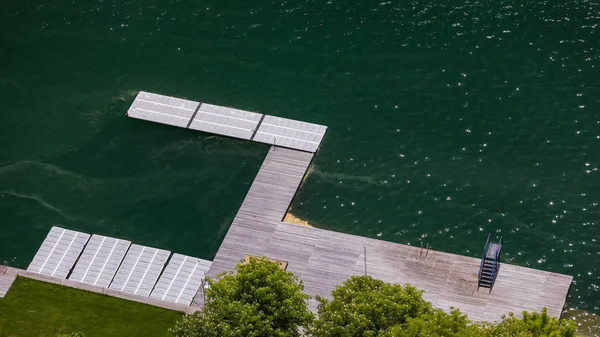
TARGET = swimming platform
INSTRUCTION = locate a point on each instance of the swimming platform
(322, 259)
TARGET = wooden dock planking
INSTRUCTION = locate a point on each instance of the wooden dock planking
(323, 259)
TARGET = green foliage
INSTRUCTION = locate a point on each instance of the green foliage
(262, 300)
(259, 299)
(436, 323)
(531, 325)
(364, 306)
(73, 334)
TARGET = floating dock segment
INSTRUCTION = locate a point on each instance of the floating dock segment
(58, 252)
(100, 260)
(181, 279)
(226, 121)
(105, 262)
(162, 109)
(324, 259)
(140, 270)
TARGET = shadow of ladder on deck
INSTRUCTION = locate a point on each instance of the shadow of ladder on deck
(490, 265)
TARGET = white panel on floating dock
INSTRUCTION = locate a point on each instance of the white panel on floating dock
(99, 261)
(162, 109)
(58, 252)
(181, 279)
(225, 121)
(290, 133)
(140, 270)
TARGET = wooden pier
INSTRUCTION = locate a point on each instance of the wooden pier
(323, 259)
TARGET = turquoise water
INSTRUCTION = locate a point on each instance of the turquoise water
(447, 120)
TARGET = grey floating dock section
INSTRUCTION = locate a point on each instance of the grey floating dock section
(58, 252)
(99, 261)
(226, 121)
(181, 279)
(162, 109)
(290, 133)
(140, 270)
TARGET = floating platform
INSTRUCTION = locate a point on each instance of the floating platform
(181, 280)
(140, 270)
(227, 121)
(58, 252)
(100, 260)
(117, 265)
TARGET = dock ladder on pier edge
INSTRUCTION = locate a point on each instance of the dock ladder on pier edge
(489, 266)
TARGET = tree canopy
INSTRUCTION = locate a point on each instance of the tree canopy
(257, 299)
(260, 299)
(364, 306)
(532, 324)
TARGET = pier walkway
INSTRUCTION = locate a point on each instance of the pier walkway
(323, 259)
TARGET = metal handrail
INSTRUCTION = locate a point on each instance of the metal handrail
(487, 242)
(496, 262)
(494, 269)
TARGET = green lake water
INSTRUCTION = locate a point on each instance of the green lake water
(448, 120)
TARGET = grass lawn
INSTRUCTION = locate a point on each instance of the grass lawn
(34, 308)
